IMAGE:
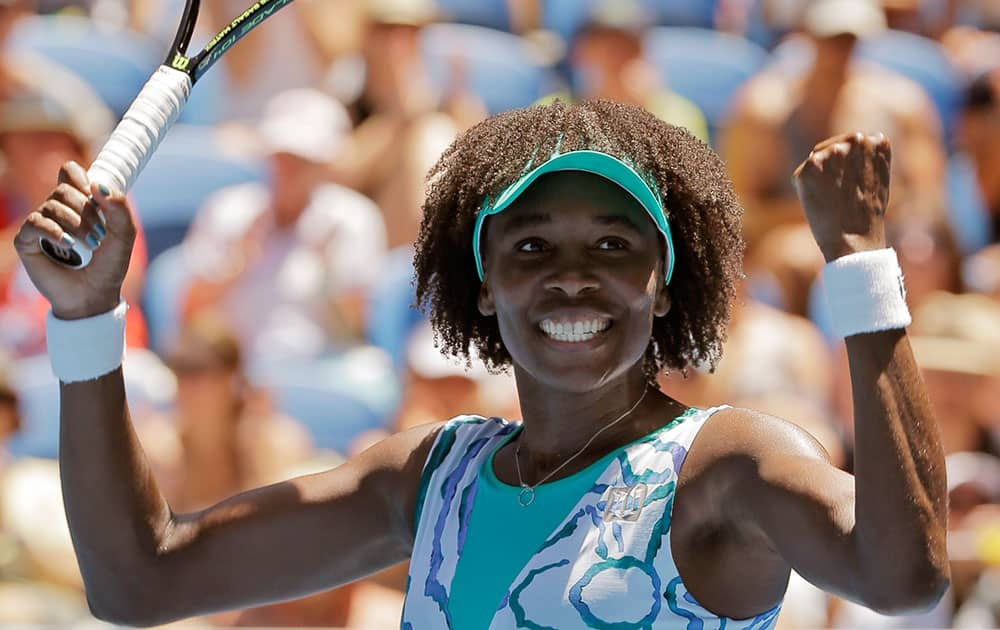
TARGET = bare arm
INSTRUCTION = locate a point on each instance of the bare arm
(141, 563)
(878, 538)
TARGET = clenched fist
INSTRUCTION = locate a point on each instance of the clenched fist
(844, 188)
(69, 212)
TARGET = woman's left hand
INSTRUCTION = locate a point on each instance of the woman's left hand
(844, 188)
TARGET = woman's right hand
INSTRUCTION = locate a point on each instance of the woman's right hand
(96, 288)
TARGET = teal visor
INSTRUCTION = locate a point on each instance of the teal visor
(608, 167)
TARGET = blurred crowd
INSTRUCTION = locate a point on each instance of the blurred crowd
(271, 330)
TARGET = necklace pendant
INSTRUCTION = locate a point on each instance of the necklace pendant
(527, 496)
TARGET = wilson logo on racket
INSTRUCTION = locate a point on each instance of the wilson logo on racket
(180, 62)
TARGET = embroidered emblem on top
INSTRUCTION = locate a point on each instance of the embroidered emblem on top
(624, 503)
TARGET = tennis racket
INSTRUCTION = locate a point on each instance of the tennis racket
(156, 108)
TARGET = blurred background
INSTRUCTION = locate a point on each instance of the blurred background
(271, 331)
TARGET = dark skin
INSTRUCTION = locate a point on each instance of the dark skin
(756, 497)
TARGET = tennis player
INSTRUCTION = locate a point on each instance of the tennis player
(588, 247)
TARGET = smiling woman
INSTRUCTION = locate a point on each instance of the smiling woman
(587, 247)
(699, 204)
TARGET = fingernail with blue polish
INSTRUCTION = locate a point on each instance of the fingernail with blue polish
(92, 241)
(67, 240)
(100, 230)
(104, 189)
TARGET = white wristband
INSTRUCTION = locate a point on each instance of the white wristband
(86, 349)
(865, 293)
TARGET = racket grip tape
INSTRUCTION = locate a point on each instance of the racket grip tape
(133, 141)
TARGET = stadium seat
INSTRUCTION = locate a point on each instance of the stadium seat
(500, 67)
(337, 398)
(488, 13)
(115, 64)
(697, 13)
(190, 164)
(704, 66)
(565, 17)
(38, 402)
(391, 318)
(333, 417)
(149, 386)
(967, 211)
(923, 61)
(166, 280)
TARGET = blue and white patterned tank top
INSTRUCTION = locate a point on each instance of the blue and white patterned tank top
(607, 565)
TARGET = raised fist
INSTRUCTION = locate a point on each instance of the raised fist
(844, 188)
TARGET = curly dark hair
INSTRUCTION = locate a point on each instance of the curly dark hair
(702, 209)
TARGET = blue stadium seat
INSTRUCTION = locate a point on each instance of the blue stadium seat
(923, 61)
(499, 66)
(38, 402)
(704, 66)
(697, 13)
(336, 398)
(116, 64)
(967, 212)
(149, 386)
(333, 417)
(391, 318)
(166, 279)
(488, 13)
(189, 166)
(565, 17)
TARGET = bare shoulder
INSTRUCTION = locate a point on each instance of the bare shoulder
(736, 434)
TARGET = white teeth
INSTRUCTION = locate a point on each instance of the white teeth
(574, 331)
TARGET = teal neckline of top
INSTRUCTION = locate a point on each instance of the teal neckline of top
(489, 475)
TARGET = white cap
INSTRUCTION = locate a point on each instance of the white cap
(49, 97)
(403, 12)
(828, 18)
(306, 123)
(427, 361)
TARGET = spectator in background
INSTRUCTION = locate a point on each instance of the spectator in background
(956, 341)
(404, 124)
(10, 12)
(10, 417)
(606, 61)
(981, 271)
(51, 117)
(782, 113)
(979, 137)
(768, 353)
(928, 255)
(280, 57)
(289, 263)
(974, 538)
(439, 387)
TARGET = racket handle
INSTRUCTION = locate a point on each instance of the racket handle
(133, 141)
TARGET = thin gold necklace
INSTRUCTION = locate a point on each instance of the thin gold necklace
(527, 494)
